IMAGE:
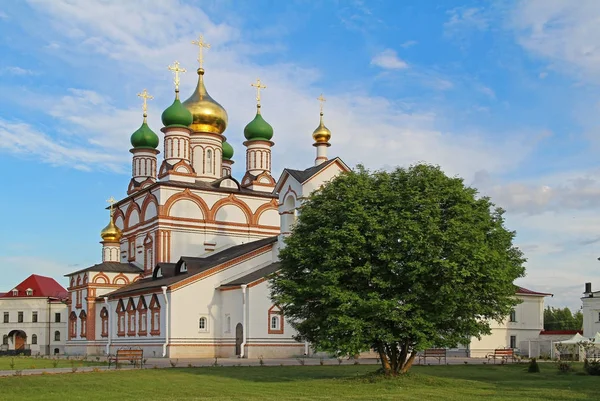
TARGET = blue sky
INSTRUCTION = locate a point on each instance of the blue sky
(505, 94)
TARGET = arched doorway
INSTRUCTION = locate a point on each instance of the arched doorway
(239, 338)
(19, 339)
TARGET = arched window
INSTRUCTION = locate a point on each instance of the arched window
(274, 322)
(104, 318)
(154, 316)
(83, 318)
(57, 335)
(72, 325)
(209, 161)
(34, 339)
(202, 324)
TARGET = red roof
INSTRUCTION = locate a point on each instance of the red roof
(525, 291)
(41, 286)
(560, 332)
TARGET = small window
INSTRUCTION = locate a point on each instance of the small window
(513, 316)
(34, 317)
(228, 324)
(274, 322)
(57, 317)
(57, 335)
(5, 317)
(56, 351)
(598, 317)
(34, 339)
(20, 317)
(209, 161)
(202, 324)
(15, 292)
(513, 342)
(5, 340)
(29, 292)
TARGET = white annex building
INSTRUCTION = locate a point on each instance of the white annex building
(187, 253)
(33, 317)
(591, 311)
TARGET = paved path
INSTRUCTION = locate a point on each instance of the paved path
(195, 362)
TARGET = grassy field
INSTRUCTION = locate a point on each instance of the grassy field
(458, 382)
(22, 363)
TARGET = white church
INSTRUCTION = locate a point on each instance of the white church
(187, 254)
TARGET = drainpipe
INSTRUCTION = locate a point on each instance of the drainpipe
(166, 344)
(243, 345)
(109, 328)
(305, 347)
(48, 347)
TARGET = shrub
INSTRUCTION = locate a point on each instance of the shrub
(592, 367)
(261, 362)
(301, 361)
(533, 366)
(564, 367)
(12, 363)
(321, 361)
(18, 372)
(173, 363)
(55, 362)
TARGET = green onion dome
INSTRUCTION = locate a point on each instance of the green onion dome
(144, 137)
(258, 129)
(227, 151)
(176, 115)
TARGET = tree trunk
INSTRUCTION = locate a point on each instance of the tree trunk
(385, 362)
(409, 363)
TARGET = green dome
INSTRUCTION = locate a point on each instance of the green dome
(176, 115)
(144, 137)
(227, 151)
(258, 129)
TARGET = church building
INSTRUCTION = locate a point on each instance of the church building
(187, 254)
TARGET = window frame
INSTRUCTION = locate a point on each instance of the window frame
(57, 335)
(57, 318)
(20, 317)
(6, 317)
(512, 317)
(513, 345)
(203, 321)
(34, 339)
(34, 317)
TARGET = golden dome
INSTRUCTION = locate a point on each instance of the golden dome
(111, 232)
(322, 133)
(208, 115)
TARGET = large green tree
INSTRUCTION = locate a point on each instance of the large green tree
(396, 262)
(562, 319)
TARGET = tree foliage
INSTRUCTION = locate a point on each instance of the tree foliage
(396, 262)
(562, 319)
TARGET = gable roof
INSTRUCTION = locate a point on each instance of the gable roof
(110, 267)
(42, 286)
(525, 291)
(304, 175)
(254, 276)
(195, 265)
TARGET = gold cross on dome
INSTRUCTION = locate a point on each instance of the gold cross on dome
(176, 69)
(258, 85)
(321, 100)
(144, 95)
(201, 45)
(111, 201)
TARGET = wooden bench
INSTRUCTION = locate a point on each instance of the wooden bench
(437, 353)
(502, 353)
(134, 356)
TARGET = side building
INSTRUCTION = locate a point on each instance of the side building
(34, 317)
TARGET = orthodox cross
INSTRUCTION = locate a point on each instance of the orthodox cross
(176, 69)
(321, 100)
(144, 95)
(111, 201)
(201, 45)
(258, 85)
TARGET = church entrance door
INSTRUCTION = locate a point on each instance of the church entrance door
(239, 338)
(20, 337)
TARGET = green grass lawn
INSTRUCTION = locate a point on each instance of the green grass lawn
(26, 362)
(459, 382)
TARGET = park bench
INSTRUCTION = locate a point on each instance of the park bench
(134, 356)
(436, 353)
(502, 353)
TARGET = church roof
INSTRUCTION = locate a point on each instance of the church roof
(254, 276)
(42, 286)
(525, 291)
(303, 175)
(110, 267)
(195, 265)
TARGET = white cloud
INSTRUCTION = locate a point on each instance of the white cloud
(409, 43)
(564, 32)
(388, 59)
(462, 18)
(14, 70)
(489, 92)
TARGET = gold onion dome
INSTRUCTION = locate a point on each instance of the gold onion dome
(111, 232)
(322, 133)
(208, 115)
